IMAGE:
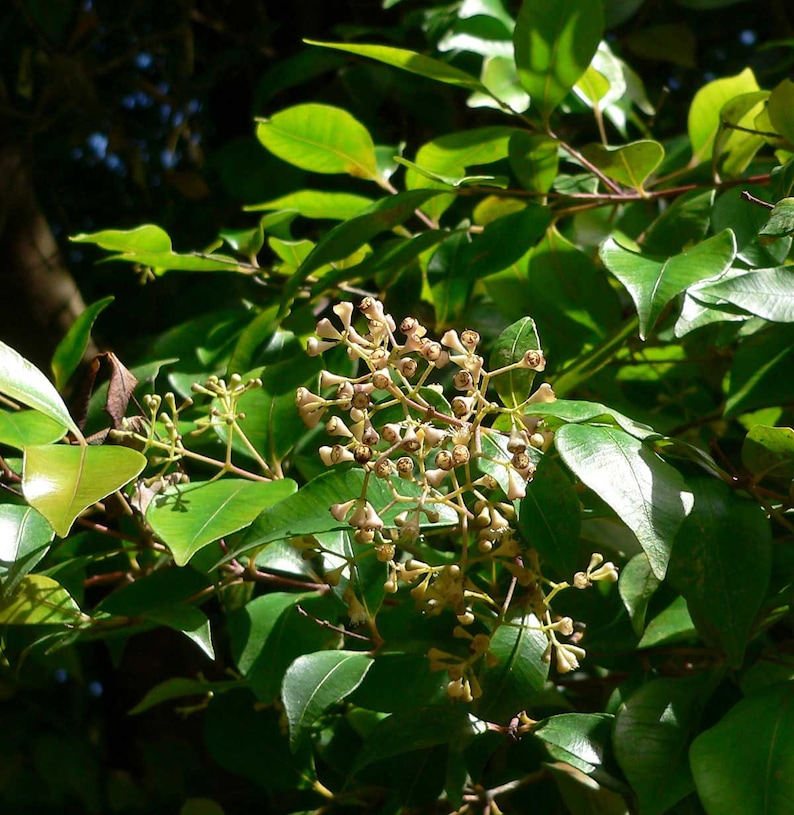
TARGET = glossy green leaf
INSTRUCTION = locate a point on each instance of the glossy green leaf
(628, 164)
(352, 234)
(321, 139)
(61, 481)
(248, 242)
(579, 739)
(573, 411)
(768, 452)
(550, 518)
(767, 293)
(191, 516)
(704, 122)
(780, 223)
(409, 61)
(400, 682)
(637, 584)
(647, 494)
(71, 348)
(22, 428)
(534, 159)
(581, 794)
(500, 77)
(39, 600)
(269, 634)
(519, 674)
(179, 688)
(308, 511)
(149, 245)
(745, 763)
(316, 681)
(654, 282)
(25, 538)
(333, 206)
(24, 382)
(672, 624)
(449, 280)
(780, 107)
(651, 735)
(554, 43)
(736, 144)
(188, 620)
(416, 729)
(455, 182)
(151, 592)
(512, 344)
(721, 564)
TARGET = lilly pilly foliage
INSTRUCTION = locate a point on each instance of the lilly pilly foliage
(391, 531)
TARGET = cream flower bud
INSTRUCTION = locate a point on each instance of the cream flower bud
(596, 559)
(568, 657)
(334, 455)
(381, 380)
(407, 366)
(517, 443)
(463, 381)
(390, 432)
(462, 406)
(608, 573)
(581, 581)
(516, 485)
(435, 477)
(315, 347)
(344, 310)
(543, 394)
(339, 511)
(326, 330)
(433, 436)
(452, 340)
(336, 427)
(534, 360)
(469, 338)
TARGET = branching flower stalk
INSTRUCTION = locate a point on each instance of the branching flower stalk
(431, 438)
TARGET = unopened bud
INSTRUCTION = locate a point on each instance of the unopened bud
(460, 455)
(405, 466)
(444, 460)
(469, 338)
(463, 381)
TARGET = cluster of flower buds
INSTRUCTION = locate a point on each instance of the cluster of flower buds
(420, 412)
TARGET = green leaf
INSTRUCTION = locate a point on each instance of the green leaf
(549, 518)
(410, 61)
(416, 729)
(189, 517)
(578, 739)
(269, 634)
(637, 585)
(500, 77)
(734, 145)
(780, 107)
(572, 411)
(629, 164)
(308, 511)
(178, 688)
(651, 735)
(71, 348)
(455, 182)
(654, 282)
(39, 600)
(704, 121)
(721, 564)
(767, 293)
(780, 223)
(745, 763)
(647, 494)
(147, 238)
(684, 222)
(333, 206)
(759, 375)
(24, 382)
(25, 538)
(672, 624)
(534, 159)
(520, 673)
(316, 681)
(61, 481)
(512, 344)
(188, 620)
(21, 428)
(352, 234)
(321, 139)
(554, 44)
(768, 452)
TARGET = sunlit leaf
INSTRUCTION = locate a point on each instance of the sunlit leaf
(61, 481)
(653, 282)
(334, 206)
(71, 348)
(648, 494)
(25, 538)
(554, 43)
(316, 681)
(514, 386)
(24, 382)
(188, 517)
(21, 428)
(39, 600)
(628, 164)
(321, 139)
